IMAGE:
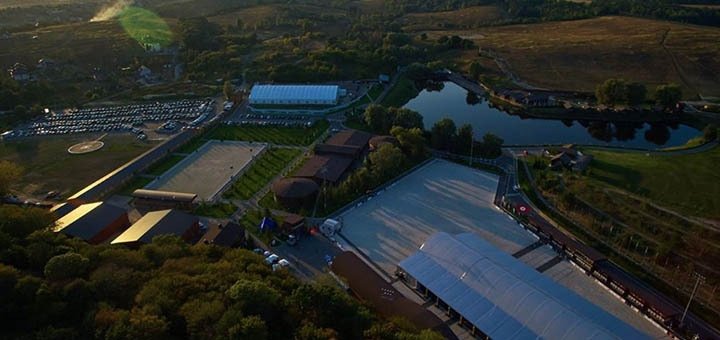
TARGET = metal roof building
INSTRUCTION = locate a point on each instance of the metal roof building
(163, 222)
(93, 222)
(294, 94)
(498, 296)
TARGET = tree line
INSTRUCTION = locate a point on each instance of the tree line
(616, 91)
(56, 287)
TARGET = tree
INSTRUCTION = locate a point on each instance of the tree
(611, 92)
(491, 146)
(20, 110)
(636, 93)
(385, 162)
(710, 132)
(412, 141)
(475, 70)
(228, 90)
(379, 118)
(407, 118)
(66, 266)
(443, 134)
(9, 175)
(464, 139)
(472, 98)
(668, 95)
(417, 71)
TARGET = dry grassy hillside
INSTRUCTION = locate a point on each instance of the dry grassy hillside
(464, 18)
(580, 54)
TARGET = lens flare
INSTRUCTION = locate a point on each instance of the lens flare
(145, 27)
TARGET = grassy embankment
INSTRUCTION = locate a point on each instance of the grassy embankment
(261, 172)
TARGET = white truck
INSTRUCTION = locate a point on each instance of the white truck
(330, 227)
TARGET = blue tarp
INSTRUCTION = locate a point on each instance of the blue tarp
(267, 224)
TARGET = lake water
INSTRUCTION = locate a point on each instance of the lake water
(451, 102)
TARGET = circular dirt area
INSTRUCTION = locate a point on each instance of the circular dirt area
(85, 147)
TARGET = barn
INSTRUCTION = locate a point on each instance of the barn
(162, 222)
(93, 222)
(294, 95)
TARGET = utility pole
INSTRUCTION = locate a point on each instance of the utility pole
(472, 144)
(697, 283)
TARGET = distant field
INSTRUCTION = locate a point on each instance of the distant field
(577, 55)
(464, 18)
(48, 166)
(102, 44)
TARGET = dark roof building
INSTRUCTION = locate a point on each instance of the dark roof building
(93, 222)
(295, 192)
(340, 150)
(163, 222)
(62, 209)
(355, 138)
(325, 168)
(229, 235)
(369, 287)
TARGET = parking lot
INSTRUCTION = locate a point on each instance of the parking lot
(207, 170)
(288, 120)
(116, 118)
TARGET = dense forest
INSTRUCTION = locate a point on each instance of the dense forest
(54, 287)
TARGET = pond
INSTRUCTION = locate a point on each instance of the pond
(451, 102)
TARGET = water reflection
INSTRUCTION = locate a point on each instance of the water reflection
(440, 100)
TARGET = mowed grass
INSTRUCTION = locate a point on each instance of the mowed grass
(401, 93)
(217, 210)
(270, 134)
(261, 172)
(579, 54)
(687, 183)
(48, 166)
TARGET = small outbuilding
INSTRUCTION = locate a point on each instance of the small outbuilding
(158, 199)
(93, 222)
(229, 235)
(295, 192)
(163, 222)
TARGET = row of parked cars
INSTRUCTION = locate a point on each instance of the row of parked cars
(274, 120)
(113, 118)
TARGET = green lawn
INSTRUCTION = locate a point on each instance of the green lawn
(401, 93)
(270, 134)
(165, 165)
(375, 91)
(265, 169)
(218, 210)
(687, 183)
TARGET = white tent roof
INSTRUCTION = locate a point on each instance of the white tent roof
(294, 92)
(505, 298)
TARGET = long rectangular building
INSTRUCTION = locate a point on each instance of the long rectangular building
(294, 95)
(497, 296)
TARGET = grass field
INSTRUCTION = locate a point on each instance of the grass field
(275, 135)
(134, 184)
(48, 166)
(218, 210)
(261, 172)
(577, 55)
(401, 93)
(687, 183)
